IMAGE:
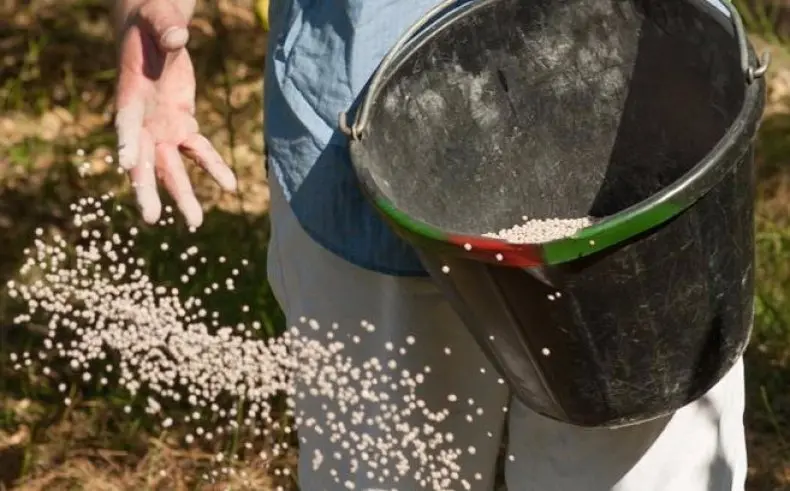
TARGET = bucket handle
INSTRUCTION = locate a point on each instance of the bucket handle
(358, 126)
(355, 130)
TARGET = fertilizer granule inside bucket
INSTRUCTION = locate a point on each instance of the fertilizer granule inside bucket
(537, 231)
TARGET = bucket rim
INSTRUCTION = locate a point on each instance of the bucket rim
(607, 231)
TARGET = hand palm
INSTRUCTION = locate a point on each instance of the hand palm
(156, 101)
(167, 84)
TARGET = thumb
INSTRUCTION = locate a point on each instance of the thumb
(165, 22)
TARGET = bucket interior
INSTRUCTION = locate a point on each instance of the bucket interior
(551, 109)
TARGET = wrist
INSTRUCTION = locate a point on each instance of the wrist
(124, 11)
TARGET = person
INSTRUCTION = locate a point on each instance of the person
(331, 259)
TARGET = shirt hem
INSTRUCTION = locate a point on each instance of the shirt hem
(376, 268)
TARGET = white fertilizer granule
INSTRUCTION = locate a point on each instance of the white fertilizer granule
(112, 324)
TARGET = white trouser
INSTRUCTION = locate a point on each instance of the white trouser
(699, 448)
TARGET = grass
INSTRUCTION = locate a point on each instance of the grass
(55, 100)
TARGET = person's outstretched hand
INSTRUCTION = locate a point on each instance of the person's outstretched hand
(155, 102)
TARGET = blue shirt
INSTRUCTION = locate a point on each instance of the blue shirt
(321, 54)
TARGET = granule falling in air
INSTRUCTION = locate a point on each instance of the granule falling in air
(538, 231)
(111, 323)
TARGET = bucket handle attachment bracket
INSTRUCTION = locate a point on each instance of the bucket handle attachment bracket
(751, 72)
(357, 127)
(755, 72)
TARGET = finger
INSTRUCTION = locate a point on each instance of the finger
(129, 100)
(144, 181)
(128, 126)
(176, 181)
(163, 20)
(198, 148)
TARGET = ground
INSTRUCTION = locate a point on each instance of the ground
(56, 74)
